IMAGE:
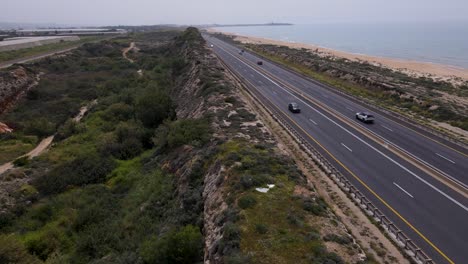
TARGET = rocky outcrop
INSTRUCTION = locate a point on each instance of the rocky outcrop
(13, 83)
(4, 128)
(192, 103)
(207, 90)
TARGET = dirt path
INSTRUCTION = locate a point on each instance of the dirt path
(46, 142)
(126, 50)
(83, 111)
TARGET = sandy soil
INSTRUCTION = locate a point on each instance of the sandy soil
(4, 128)
(414, 68)
(126, 50)
(83, 111)
(45, 143)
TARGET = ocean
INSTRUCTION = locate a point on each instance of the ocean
(442, 43)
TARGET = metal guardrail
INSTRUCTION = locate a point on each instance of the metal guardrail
(396, 234)
(369, 104)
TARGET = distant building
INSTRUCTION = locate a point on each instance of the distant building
(68, 31)
(29, 42)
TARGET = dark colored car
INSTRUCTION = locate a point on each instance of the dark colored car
(365, 117)
(293, 107)
(260, 62)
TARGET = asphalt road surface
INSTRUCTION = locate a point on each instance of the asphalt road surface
(418, 180)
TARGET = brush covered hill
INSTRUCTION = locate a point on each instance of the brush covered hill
(163, 169)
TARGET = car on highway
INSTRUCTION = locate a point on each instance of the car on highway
(260, 62)
(365, 117)
(294, 108)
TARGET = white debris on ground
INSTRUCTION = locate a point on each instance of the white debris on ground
(262, 190)
(265, 190)
(226, 123)
(231, 113)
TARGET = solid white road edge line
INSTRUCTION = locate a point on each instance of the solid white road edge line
(402, 149)
(355, 136)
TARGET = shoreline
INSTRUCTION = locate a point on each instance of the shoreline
(440, 72)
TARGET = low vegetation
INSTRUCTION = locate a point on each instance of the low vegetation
(29, 52)
(133, 181)
(98, 194)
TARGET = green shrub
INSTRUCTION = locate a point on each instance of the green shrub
(247, 201)
(119, 111)
(317, 207)
(96, 241)
(249, 181)
(125, 143)
(40, 127)
(261, 228)
(68, 129)
(237, 258)
(13, 251)
(154, 106)
(338, 239)
(83, 170)
(313, 235)
(295, 219)
(184, 246)
(327, 258)
(6, 219)
(20, 162)
(231, 238)
(195, 132)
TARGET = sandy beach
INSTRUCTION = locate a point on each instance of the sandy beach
(414, 68)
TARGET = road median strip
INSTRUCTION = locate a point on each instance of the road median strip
(433, 172)
(402, 240)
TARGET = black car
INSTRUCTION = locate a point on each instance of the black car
(260, 62)
(294, 107)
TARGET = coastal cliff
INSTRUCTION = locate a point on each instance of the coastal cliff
(176, 165)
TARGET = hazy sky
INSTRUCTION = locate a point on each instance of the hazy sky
(134, 12)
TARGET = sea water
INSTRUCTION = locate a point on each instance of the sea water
(442, 43)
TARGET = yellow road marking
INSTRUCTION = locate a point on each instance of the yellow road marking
(371, 191)
(365, 185)
(430, 171)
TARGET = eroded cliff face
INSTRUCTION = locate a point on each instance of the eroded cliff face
(207, 91)
(192, 102)
(13, 83)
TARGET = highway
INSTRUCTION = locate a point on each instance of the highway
(416, 179)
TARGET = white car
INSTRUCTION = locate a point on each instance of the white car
(365, 117)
